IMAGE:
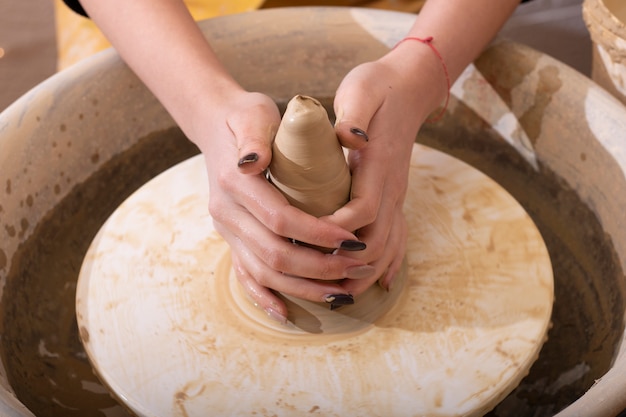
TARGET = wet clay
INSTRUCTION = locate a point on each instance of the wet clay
(308, 164)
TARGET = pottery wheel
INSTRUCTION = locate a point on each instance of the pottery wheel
(168, 330)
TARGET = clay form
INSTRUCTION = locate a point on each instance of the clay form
(168, 328)
(308, 164)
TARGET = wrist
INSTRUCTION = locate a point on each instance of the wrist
(203, 106)
(425, 71)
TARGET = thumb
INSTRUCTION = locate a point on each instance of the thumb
(354, 110)
(254, 130)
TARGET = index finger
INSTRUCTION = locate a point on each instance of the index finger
(366, 194)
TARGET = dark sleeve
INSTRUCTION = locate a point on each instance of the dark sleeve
(75, 5)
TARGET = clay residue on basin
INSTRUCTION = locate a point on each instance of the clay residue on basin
(606, 23)
(618, 8)
(45, 362)
(588, 318)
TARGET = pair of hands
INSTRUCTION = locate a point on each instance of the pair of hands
(256, 220)
(388, 98)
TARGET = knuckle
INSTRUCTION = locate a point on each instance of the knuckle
(276, 223)
(369, 211)
(262, 279)
(327, 271)
(226, 181)
(276, 259)
(320, 234)
(218, 226)
(375, 249)
(216, 209)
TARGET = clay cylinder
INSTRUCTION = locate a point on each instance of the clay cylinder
(308, 164)
(606, 22)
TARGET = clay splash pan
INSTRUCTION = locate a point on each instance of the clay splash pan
(169, 331)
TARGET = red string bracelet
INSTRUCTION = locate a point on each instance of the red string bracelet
(429, 42)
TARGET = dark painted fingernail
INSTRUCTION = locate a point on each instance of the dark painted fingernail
(352, 245)
(251, 157)
(338, 300)
(359, 132)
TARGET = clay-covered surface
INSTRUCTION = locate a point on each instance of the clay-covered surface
(606, 23)
(546, 133)
(166, 325)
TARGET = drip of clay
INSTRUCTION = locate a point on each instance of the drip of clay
(308, 164)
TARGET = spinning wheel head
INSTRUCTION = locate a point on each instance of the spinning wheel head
(169, 331)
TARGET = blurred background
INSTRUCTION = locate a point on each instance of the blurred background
(41, 37)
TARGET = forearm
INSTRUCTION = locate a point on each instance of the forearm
(460, 30)
(163, 45)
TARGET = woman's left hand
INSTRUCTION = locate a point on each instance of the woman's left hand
(385, 101)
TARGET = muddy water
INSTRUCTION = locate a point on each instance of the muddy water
(46, 364)
(48, 368)
(589, 283)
